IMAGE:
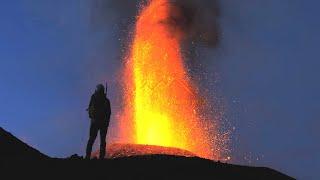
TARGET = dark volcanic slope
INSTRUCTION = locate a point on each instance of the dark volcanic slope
(138, 167)
(32, 164)
(11, 147)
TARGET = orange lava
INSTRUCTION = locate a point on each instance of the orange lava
(160, 100)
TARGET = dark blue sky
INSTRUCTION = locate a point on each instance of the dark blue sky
(267, 65)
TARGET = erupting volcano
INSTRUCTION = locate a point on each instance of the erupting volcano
(161, 102)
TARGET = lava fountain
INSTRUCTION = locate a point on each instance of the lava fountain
(161, 103)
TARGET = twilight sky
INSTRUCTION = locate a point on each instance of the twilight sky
(266, 65)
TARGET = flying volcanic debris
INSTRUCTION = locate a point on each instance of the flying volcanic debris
(162, 105)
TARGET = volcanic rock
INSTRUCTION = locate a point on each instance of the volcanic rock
(13, 148)
(18, 159)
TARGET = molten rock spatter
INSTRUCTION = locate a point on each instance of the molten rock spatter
(161, 103)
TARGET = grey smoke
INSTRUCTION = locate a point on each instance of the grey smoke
(199, 18)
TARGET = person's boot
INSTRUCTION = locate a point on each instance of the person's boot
(102, 154)
(88, 152)
(87, 157)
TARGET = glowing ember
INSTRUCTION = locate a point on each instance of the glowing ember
(159, 96)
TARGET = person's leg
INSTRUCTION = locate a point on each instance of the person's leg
(103, 134)
(92, 138)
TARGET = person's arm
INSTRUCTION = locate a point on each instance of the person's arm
(90, 103)
(108, 109)
(90, 108)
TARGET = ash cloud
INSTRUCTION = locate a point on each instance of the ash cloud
(197, 19)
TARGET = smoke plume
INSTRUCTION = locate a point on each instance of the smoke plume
(197, 19)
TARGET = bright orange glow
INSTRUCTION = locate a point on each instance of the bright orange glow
(159, 97)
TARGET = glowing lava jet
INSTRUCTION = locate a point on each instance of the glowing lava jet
(159, 96)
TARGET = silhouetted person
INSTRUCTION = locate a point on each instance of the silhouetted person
(99, 112)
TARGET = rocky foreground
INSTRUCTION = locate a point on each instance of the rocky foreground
(20, 160)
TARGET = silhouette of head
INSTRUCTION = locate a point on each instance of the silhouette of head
(100, 88)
